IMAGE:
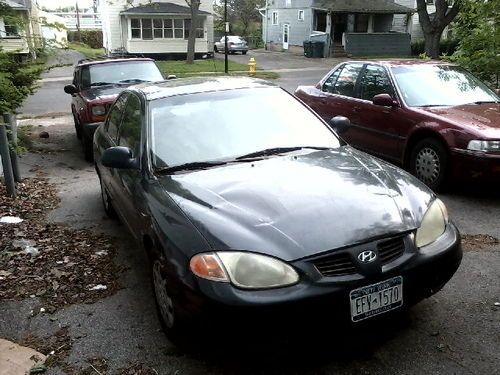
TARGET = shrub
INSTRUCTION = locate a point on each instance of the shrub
(92, 38)
(446, 47)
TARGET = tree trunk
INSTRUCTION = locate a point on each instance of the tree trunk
(195, 5)
(432, 42)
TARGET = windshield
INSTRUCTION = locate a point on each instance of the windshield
(440, 85)
(227, 124)
(121, 72)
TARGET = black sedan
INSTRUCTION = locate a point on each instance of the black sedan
(268, 215)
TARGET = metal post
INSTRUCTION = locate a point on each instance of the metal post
(12, 138)
(226, 31)
(6, 163)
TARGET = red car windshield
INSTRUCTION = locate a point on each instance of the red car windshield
(440, 85)
(120, 72)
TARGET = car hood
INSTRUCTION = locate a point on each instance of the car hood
(483, 117)
(104, 93)
(301, 204)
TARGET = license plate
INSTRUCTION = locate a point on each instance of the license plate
(376, 299)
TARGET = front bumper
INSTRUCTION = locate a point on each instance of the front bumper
(326, 299)
(476, 165)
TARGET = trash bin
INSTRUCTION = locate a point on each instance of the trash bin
(317, 49)
(308, 48)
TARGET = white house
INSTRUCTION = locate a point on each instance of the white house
(155, 28)
(53, 30)
(24, 39)
(411, 24)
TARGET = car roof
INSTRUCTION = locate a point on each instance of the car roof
(196, 85)
(86, 62)
(402, 62)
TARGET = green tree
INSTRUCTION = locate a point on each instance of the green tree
(477, 28)
(245, 11)
(434, 26)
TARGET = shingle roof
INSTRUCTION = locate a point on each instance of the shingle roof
(163, 8)
(362, 6)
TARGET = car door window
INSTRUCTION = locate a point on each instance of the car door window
(130, 128)
(346, 82)
(115, 116)
(329, 84)
(374, 81)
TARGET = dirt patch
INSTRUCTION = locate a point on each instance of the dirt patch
(56, 263)
(478, 242)
(137, 369)
(55, 347)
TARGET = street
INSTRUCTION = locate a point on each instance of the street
(454, 332)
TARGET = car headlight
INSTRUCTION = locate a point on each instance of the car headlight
(98, 110)
(244, 270)
(433, 224)
(476, 145)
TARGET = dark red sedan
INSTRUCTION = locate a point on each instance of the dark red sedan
(435, 119)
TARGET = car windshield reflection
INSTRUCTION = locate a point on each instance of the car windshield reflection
(229, 124)
(434, 85)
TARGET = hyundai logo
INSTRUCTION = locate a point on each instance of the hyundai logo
(367, 256)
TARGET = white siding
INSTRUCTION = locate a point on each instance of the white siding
(116, 29)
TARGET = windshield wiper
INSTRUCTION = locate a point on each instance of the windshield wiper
(190, 166)
(277, 150)
(101, 83)
(133, 80)
(485, 102)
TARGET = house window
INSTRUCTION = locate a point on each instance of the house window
(275, 18)
(147, 28)
(200, 32)
(7, 30)
(157, 28)
(168, 30)
(135, 28)
(300, 16)
(164, 28)
(288, 3)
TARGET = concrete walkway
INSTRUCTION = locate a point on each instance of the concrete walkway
(50, 97)
(18, 360)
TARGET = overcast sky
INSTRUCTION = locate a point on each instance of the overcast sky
(53, 4)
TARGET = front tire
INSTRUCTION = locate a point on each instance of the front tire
(78, 127)
(429, 162)
(88, 151)
(171, 317)
(243, 52)
(106, 201)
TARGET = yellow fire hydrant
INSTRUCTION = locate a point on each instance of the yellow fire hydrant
(252, 66)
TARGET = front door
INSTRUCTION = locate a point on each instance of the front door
(286, 35)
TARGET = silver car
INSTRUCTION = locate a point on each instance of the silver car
(234, 44)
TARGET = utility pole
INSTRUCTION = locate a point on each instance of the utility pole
(78, 23)
(226, 31)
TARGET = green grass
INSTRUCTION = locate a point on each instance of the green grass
(210, 67)
(90, 53)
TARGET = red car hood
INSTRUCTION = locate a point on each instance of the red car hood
(482, 117)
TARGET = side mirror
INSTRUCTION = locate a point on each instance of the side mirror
(384, 100)
(119, 157)
(70, 89)
(340, 124)
(497, 91)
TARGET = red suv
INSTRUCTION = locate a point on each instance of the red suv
(436, 119)
(96, 84)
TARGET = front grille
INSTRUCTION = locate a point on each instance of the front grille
(390, 250)
(335, 265)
